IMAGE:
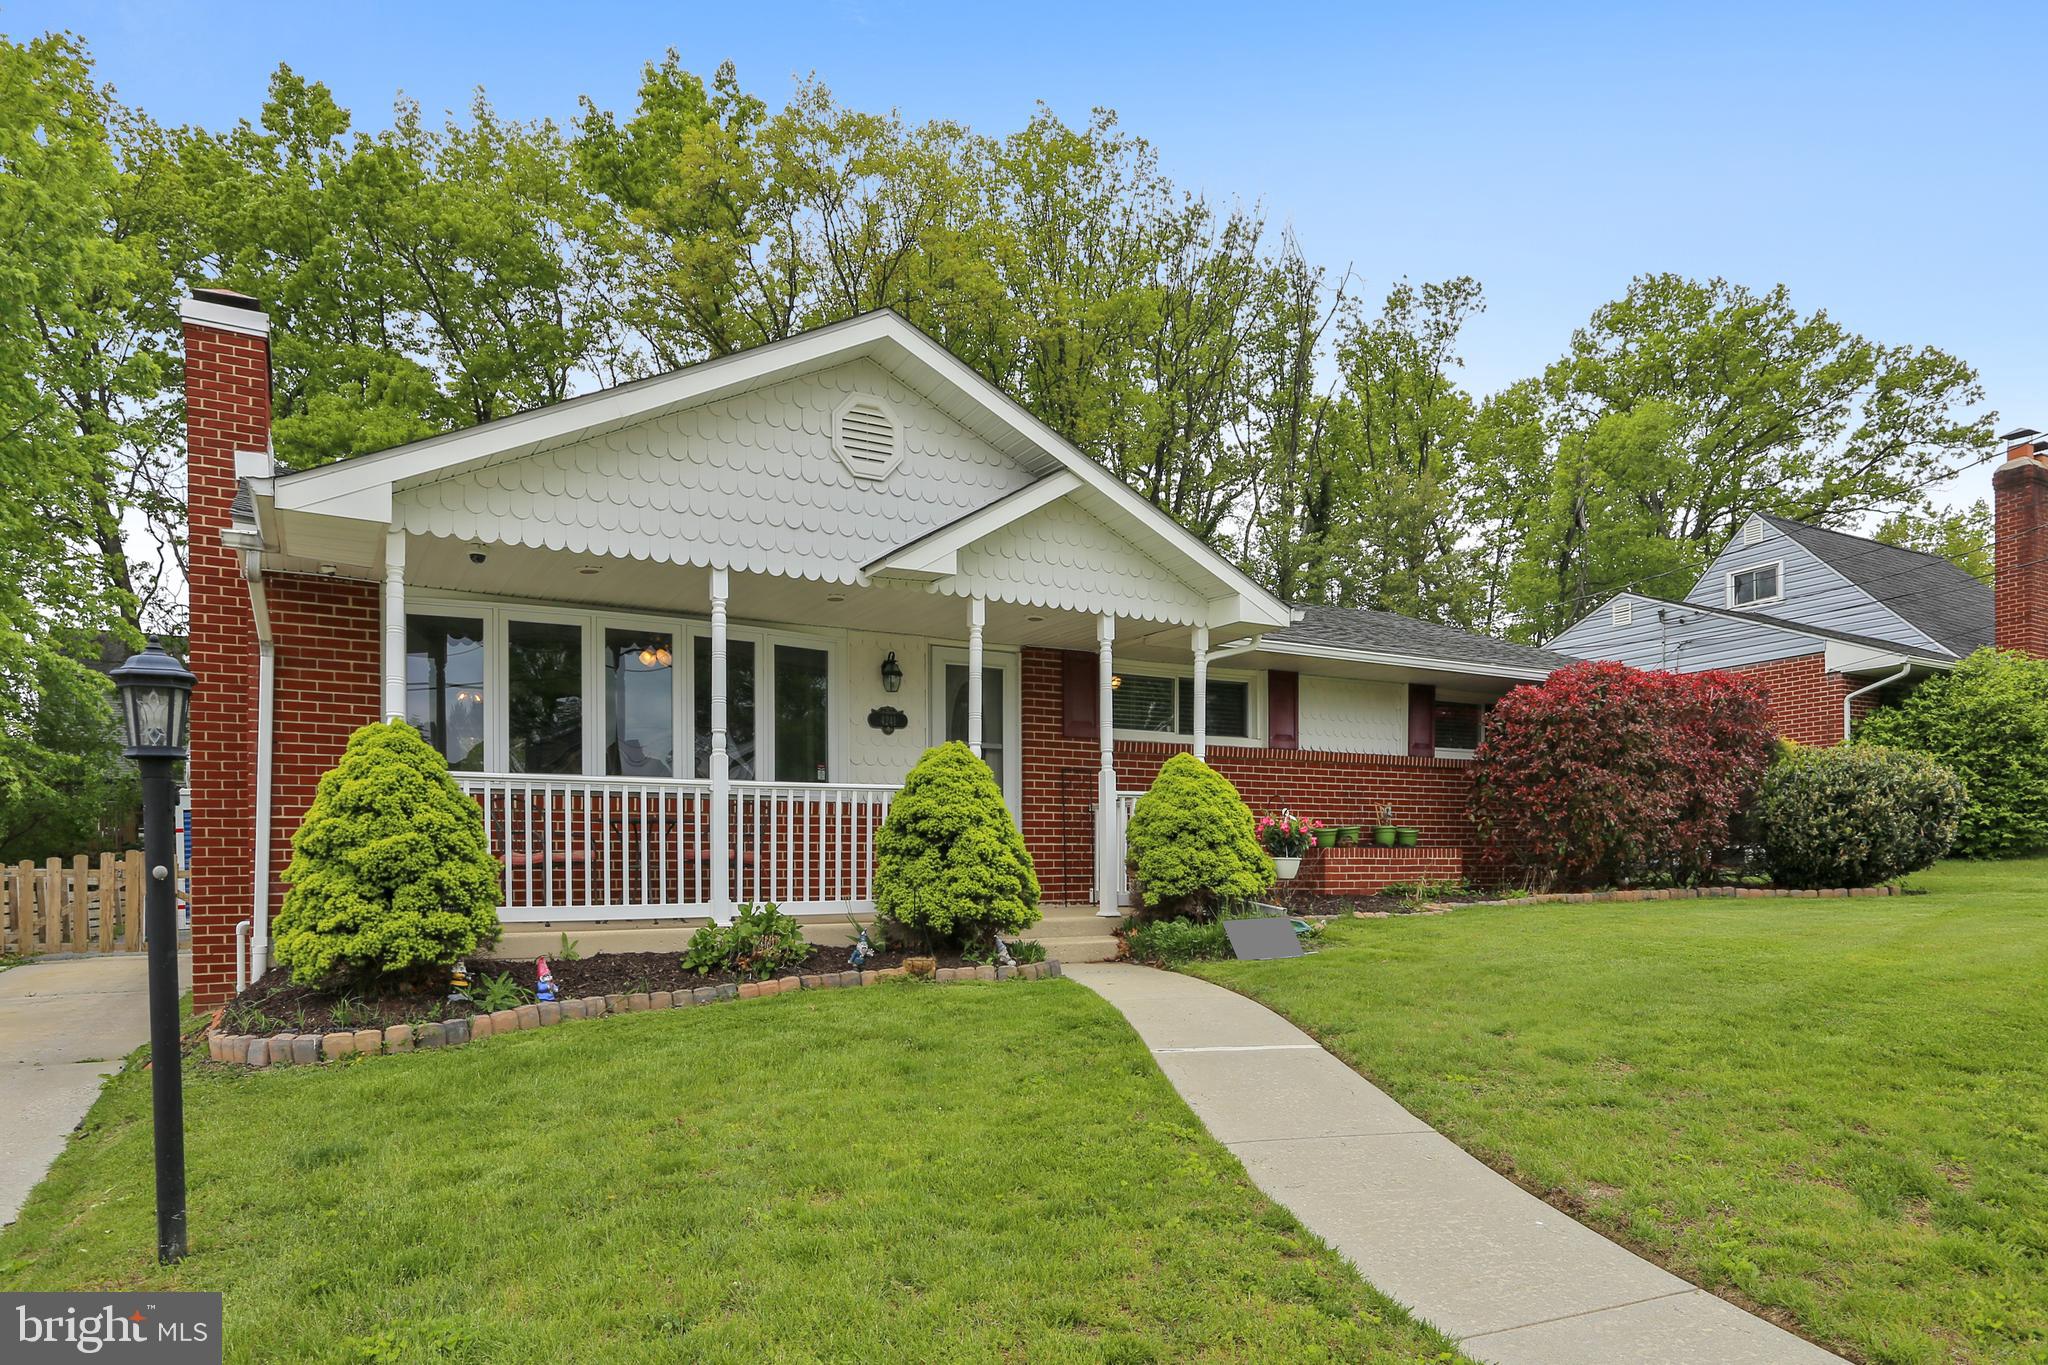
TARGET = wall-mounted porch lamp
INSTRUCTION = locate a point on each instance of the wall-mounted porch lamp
(892, 673)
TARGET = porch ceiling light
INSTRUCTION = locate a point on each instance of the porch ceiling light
(656, 657)
(892, 673)
(1116, 680)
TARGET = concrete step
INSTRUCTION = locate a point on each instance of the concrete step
(1101, 948)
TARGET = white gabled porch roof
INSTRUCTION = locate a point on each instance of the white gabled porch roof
(338, 514)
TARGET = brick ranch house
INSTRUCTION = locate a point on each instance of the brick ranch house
(682, 638)
(1836, 624)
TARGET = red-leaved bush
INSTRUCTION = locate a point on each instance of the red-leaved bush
(1608, 774)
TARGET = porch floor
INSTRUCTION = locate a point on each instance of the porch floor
(1070, 933)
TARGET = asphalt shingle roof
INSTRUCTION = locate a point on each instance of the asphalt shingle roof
(1384, 632)
(1926, 590)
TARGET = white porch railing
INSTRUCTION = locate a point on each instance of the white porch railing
(625, 848)
(1119, 843)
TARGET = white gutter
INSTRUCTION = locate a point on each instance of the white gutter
(266, 707)
(1899, 676)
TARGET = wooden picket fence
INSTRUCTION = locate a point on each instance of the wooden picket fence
(85, 906)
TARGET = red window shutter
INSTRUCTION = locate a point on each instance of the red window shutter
(1080, 681)
(1422, 720)
(1283, 710)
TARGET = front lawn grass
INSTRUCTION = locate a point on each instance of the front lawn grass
(1837, 1109)
(898, 1173)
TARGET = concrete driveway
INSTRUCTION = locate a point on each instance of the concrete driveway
(65, 1025)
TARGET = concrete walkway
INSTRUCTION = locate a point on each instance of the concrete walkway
(65, 1025)
(1512, 1279)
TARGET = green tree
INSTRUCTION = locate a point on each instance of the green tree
(1986, 719)
(1192, 846)
(391, 878)
(949, 864)
(1685, 406)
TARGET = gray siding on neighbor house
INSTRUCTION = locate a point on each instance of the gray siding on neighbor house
(1812, 591)
(1682, 639)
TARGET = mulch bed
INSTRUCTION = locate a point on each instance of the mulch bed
(307, 1009)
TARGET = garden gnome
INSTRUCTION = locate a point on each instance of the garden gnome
(862, 951)
(458, 982)
(1003, 958)
(544, 988)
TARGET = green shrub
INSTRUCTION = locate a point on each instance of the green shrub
(1192, 845)
(1988, 721)
(759, 942)
(391, 878)
(1171, 942)
(1855, 815)
(949, 865)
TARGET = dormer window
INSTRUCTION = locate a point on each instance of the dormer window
(1754, 587)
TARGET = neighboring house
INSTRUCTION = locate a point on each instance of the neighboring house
(682, 638)
(1833, 623)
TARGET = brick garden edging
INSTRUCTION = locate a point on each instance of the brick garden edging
(1673, 893)
(297, 1049)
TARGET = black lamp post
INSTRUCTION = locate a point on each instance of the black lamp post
(156, 696)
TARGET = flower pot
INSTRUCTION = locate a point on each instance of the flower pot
(1405, 838)
(1326, 838)
(1286, 868)
(1348, 834)
(1383, 835)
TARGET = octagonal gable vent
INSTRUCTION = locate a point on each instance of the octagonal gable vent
(867, 437)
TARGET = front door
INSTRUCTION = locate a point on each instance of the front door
(999, 728)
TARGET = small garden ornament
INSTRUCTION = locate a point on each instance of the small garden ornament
(1003, 958)
(458, 983)
(863, 950)
(544, 986)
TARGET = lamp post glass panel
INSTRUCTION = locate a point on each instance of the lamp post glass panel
(156, 695)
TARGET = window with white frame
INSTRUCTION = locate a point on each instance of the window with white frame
(509, 689)
(1751, 587)
(1164, 704)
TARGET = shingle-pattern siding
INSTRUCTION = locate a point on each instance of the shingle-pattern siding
(1063, 558)
(749, 482)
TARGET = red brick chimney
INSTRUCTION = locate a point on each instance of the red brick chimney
(2020, 544)
(227, 414)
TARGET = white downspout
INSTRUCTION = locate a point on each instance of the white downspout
(266, 710)
(1899, 676)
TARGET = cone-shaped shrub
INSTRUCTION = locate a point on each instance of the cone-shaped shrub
(949, 864)
(390, 875)
(1192, 846)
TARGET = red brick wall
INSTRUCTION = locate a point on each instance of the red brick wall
(227, 408)
(2020, 546)
(1059, 785)
(328, 658)
(1806, 699)
(1360, 870)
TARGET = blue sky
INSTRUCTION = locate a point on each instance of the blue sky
(1885, 162)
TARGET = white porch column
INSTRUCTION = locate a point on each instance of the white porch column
(977, 617)
(394, 625)
(721, 775)
(1108, 848)
(1202, 692)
